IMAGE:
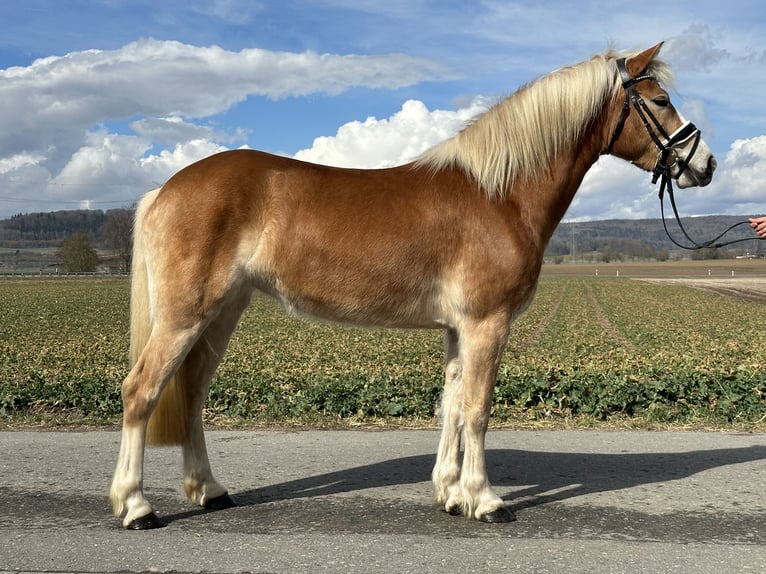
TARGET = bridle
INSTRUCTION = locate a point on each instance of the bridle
(666, 144)
(667, 157)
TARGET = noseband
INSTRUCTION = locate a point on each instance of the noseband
(667, 149)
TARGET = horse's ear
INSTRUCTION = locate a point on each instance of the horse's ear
(638, 64)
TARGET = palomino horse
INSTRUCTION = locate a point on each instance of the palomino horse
(452, 241)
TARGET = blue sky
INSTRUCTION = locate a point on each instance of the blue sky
(104, 99)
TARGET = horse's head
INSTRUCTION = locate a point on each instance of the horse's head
(648, 131)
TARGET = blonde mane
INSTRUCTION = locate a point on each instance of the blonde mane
(519, 137)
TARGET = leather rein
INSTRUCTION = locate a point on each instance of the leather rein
(667, 157)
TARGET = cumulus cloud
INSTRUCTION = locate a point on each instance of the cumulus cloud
(161, 78)
(113, 165)
(386, 142)
(109, 170)
(739, 186)
(145, 73)
(171, 130)
(54, 110)
(614, 189)
(167, 162)
(18, 161)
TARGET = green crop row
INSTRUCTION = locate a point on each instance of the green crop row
(587, 350)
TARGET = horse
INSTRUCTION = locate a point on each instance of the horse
(453, 240)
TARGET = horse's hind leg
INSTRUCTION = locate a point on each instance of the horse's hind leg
(141, 390)
(198, 370)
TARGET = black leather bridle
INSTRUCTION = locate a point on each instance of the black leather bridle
(666, 144)
(667, 150)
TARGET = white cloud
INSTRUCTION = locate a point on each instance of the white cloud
(161, 166)
(156, 78)
(745, 168)
(105, 158)
(171, 130)
(386, 142)
(19, 161)
(614, 189)
(739, 185)
(52, 119)
(112, 165)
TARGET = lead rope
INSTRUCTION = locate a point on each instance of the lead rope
(666, 182)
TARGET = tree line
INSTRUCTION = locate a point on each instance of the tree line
(78, 235)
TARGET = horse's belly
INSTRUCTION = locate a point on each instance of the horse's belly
(379, 307)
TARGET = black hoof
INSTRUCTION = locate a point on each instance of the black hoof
(146, 522)
(498, 516)
(454, 511)
(219, 503)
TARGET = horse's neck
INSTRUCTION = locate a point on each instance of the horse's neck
(543, 201)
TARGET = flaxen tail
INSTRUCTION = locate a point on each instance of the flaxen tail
(169, 422)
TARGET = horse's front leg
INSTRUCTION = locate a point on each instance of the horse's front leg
(446, 473)
(481, 348)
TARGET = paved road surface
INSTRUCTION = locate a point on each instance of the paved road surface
(356, 501)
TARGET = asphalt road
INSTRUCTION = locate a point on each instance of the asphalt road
(360, 501)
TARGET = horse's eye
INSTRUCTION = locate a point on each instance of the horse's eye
(661, 101)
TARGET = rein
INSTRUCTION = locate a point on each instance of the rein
(666, 146)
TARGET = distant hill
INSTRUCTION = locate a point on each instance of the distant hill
(646, 238)
(613, 238)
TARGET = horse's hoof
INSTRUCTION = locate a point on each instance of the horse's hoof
(454, 510)
(219, 503)
(498, 516)
(146, 522)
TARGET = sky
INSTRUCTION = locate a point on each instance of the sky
(103, 100)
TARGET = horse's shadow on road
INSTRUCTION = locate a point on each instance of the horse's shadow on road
(530, 478)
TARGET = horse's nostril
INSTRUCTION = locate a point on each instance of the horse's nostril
(712, 163)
